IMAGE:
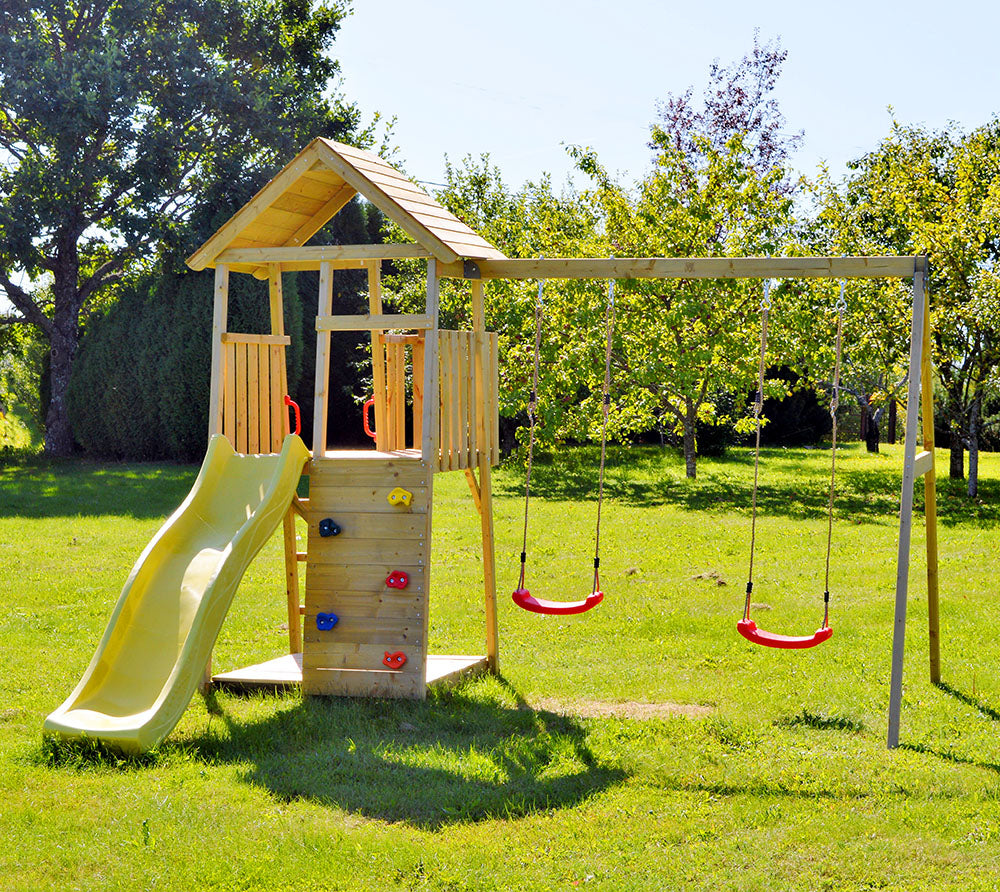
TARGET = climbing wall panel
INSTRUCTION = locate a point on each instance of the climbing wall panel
(346, 576)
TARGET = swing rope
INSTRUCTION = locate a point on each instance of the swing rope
(834, 405)
(604, 430)
(521, 596)
(747, 627)
(532, 408)
(758, 406)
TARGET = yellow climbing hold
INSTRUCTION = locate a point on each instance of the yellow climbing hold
(399, 496)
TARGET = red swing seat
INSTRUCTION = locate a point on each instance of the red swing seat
(523, 598)
(748, 629)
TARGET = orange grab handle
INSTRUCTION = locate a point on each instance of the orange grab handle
(298, 415)
(524, 599)
(748, 629)
(369, 404)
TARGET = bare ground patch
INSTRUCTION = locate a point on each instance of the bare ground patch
(624, 709)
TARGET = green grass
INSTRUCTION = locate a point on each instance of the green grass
(782, 781)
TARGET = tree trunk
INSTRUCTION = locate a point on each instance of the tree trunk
(892, 421)
(690, 442)
(63, 342)
(956, 461)
(974, 447)
(871, 430)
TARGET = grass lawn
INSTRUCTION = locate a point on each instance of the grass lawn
(643, 745)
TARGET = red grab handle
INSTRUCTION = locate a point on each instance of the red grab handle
(523, 598)
(369, 403)
(748, 629)
(298, 415)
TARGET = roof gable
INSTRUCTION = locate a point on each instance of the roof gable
(300, 199)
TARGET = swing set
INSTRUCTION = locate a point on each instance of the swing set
(915, 465)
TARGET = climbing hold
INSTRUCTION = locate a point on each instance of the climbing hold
(326, 621)
(394, 660)
(397, 579)
(328, 527)
(399, 496)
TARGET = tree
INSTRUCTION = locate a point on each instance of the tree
(938, 193)
(118, 116)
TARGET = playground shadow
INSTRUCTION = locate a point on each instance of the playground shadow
(52, 488)
(454, 758)
(862, 496)
(948, 755)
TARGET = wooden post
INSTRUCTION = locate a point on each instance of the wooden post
(485, 501)
(429, 419)
(288, 524)
(321, 392)
(220, 315)
(906, 508)
(930, 499)
(378, 354)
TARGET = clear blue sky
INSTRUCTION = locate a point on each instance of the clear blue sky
(518, 78)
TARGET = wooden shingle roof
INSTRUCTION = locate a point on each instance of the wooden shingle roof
(317, 183)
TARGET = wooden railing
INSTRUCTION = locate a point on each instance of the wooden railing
(254, 385)
(462, 432)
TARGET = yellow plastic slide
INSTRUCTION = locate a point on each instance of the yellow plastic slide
(163, 628)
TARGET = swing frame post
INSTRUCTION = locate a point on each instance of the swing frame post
(919, 373)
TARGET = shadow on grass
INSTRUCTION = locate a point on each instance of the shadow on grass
(645, 476)
(460, 756)
(986, 710)
(819, 722)
(949, 755)
(71, 488)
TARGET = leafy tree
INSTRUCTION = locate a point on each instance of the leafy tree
(937, 193)
(682, 342)
(118, 117)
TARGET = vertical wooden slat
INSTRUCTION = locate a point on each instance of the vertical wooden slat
(241, 398)
(253, 399)
(429, 443)
(389, 441)
(418, 391)
(378, 355)
(264, 398)
(229, 400)
(399, 390)
(473, 390)
(444, 392)
(220, 313)
(277, 361)
(455, 395)
(322, 385)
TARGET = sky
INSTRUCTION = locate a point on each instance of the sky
(520, 80)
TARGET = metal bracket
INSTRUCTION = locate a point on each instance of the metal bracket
(470, 270)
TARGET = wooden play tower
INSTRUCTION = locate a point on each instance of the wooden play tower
(363, 627)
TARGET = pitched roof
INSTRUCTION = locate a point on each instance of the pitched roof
(317, 183)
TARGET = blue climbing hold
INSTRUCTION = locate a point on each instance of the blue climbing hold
(326, 621)
(328, 527)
